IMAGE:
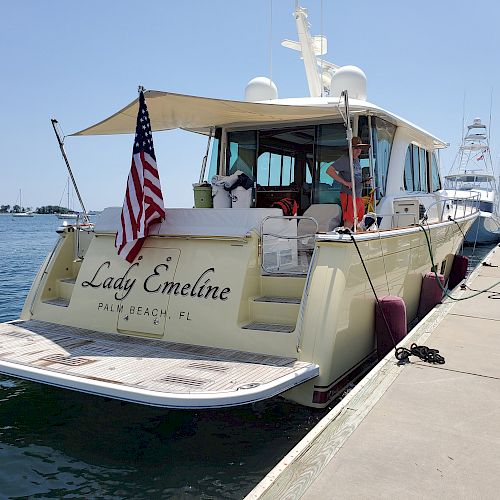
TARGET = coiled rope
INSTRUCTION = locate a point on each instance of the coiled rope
(402, 353)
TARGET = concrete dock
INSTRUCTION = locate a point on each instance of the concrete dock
(418, 430)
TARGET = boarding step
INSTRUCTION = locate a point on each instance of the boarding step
(77, 264)
(152, 372)
(282, 286)
(58, 301)
(279, 300)
(269, 327)
(65, 287)
(267, 309)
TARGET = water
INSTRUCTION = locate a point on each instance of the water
(61, 444)
(56, 443)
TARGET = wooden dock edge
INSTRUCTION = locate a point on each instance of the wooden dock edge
(293, 475)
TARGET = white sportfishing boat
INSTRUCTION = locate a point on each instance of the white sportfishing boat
(226, 306)
(473, 172)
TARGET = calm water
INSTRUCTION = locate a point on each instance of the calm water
(61, 444)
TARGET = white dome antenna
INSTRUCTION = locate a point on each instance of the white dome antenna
(260, 89)
(350, 78)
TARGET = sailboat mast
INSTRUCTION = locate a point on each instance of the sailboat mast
(61, 147)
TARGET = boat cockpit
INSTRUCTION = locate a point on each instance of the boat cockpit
(291, 162)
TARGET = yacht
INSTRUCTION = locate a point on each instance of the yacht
(70, 215)
(22, 213)
(227, 306)
(474, 173)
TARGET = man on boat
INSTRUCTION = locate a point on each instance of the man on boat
(340, 170)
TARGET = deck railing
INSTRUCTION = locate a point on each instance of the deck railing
(284, 249)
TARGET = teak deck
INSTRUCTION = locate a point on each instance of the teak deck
(147, 371)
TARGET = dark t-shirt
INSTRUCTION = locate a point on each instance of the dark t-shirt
(343, 168)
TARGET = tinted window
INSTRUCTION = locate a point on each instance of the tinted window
(423, 169)
(415, 168)
(435, 179)
(383, 137)
(214, 155)
(275, 169)
(408, 176)
(331, 144)
(241, 153)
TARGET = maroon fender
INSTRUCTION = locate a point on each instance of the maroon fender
(430, 294)
(458, 270)
(394, 310)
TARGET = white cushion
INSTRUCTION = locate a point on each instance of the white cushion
(236, 222)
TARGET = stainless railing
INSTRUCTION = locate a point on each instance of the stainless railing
(445, 207)
(284, 250)
(82, 226)
(449, 202)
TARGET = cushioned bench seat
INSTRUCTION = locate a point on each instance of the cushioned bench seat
(233, 222)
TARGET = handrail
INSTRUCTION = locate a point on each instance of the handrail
(475, 198)
(79, 226)
(263, 234)
(289, 217)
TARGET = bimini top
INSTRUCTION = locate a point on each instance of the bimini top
(169, 111)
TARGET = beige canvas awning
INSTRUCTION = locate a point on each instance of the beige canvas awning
(170, 111)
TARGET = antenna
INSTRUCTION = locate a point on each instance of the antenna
(489, 124)
(61, 146)
(462, 132)
(322, 38)
(270, 42)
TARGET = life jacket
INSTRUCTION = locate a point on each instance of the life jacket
(288, 205)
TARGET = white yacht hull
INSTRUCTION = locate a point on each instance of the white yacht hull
(486, 229)
(218, 315)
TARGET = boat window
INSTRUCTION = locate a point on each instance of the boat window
(416, 168)
(408, 178)
(283, 159)
(275, 169)
(214, 155)
(331, 144)
(383, 137)
(435, 179)
(241, 153)
(423, 169)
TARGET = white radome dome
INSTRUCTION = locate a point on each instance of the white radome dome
(350, 78)
(260, 89)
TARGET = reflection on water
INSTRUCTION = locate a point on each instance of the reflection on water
(55, 441)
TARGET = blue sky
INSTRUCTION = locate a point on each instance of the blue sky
(82, 61)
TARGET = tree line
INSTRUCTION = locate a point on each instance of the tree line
(47, 209)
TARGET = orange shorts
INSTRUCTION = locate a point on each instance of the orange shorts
(348, 209)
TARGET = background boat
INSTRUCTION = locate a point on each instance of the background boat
(22, 213)
(473, 172)
(70, 215)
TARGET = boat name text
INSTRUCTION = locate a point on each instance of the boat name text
(156, 283)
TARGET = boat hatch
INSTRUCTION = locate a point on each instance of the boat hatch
(150, 372)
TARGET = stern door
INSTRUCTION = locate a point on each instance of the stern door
(145, 311)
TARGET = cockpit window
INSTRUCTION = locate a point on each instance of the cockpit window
(383, 137)
(241, 152)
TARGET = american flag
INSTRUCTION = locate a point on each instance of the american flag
(143, 203)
